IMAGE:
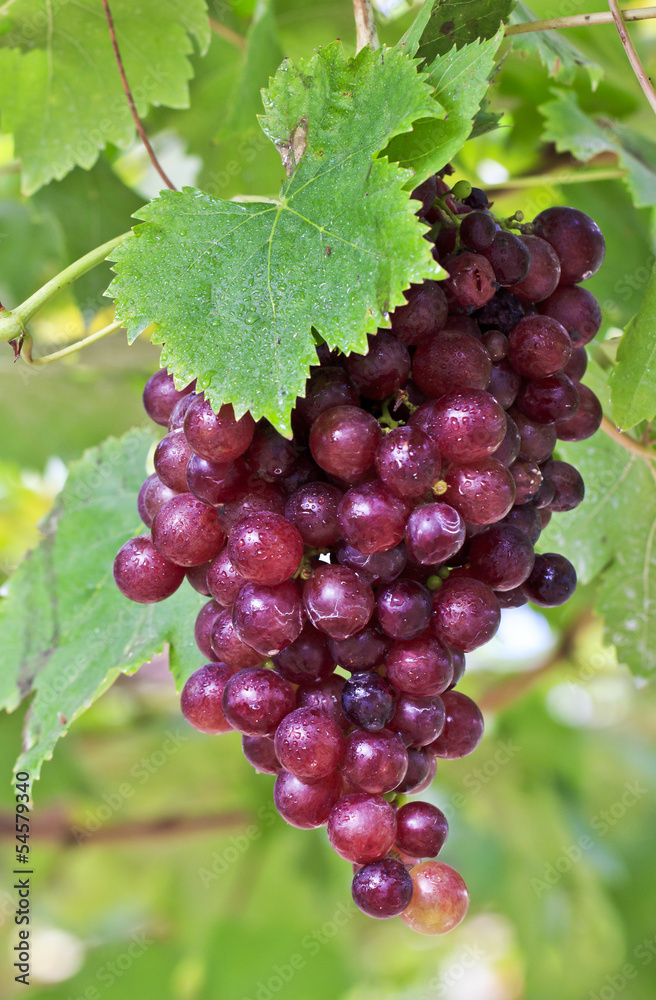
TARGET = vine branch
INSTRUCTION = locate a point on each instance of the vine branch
(128, 93)
(25, 349)
(632, 54)
(626, 441)
(579, 21)
(558, 177)
(365, 25)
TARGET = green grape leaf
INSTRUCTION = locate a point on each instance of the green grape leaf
(441, 24)
(633, 379)
(234, 290)
(573, 131)
(561, 57)
(60, 90)
(65, 630)
(461, 79)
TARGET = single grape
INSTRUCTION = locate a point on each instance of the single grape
(326, 696)
(382, 889)
(215, 484)
(313, 511)
(569, 488)
(477, 199)
(217, 437)
(265, 548)
(362, 828)
(305, 470)
(154, 495)
(160, 396)
(186, 531)
(228, 647)
(481, 492)
(309, 744)
(496, 344)
(170, 461)
(586, 421)
(268, 617)
(362, 651)
(383, 369)
(377, 568)
(477, 231)
(337, 601)
(256, 700)
(422, 766)
(467, 425)
(545, 494)
(403, 609)
(577, 364)
(504, 383)
(270, 455)
(260, 753)
(306, 660)
(371, 518)
(326, 388)
(577, 240)
(261, 496)
(537, 441)
(509, 448)
(577, 310)
(143, 574)
(528, 480)
(201, 701)
(205, 620)
(423, 314)
(440, 899)
(539, 346)
(502, 557)
(343, 441)
(224, 579)
(421, 829)
(197, 577)
(368, 701)
(465, 614)
(509, 257)
(451, 360)
(463, 728)
(407, 462)
(471, 280)
(512, 598)
(543, 273)
(418, 721)
(434, 533)
(422, 666)
(374, 762)
(547, 400)
(552, 582)
(304, 804)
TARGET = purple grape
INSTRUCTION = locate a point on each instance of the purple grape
(215, 484)
(377, 568)
(255, 701)
(265, 548)
(326, 388)
(374, 762)
(383, 369)
(481, 492)
(418, 721)
(154, 495)
(459, 666)
(515, 598)
(509, 448)
(569, 488)
(504, 383)
(496, 344)
(463, 728)
(421, 829)
(362, 828)
(528, 480)
(421, 666)
(368, 701)
(309, 744)
(303, 804)
(546, 400)
(268, 617)
(362, 651)
(503, 312)
(577, 364)
(450, 361)
(201, 701)
(325, 696)
(543, 272)
(160, 396)
(382, 889)
(228, 647)
(502, 557)
(434, 533)
(539, 346)
(205, 620)
(197, 577)
(186, 531)
(545, 494)
(477, 231)
(422, 766)
(407, 462)
(217, 437)
(179, 411)
(170, 460)
(343, 441)
(537, 441)
(403, 609)
(577, 240)
(224, 579)
(467, 425)
(371, 518)
(313, 511)
(465, 614)
(308, 659)
(337, 601)
(426, 193)
(260, 497)
(509, 257)
(260, 753)
(143, 574)
(586, 421)
(577, 310)
(471, 281)
(422, 316)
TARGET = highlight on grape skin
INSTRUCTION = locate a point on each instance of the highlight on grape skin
(375, 549)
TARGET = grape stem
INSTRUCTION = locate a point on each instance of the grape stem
(12, 322)
(579, 21)
(25, 349)
(128, 93)
(365, 25)
(626, 441)
(632, 55)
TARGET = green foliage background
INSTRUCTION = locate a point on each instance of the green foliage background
(552, 819)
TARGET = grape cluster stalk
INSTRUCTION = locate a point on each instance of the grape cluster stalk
(350, 569)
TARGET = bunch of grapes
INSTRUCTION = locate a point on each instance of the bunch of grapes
(351, 568)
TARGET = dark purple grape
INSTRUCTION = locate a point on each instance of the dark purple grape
(362, 828)
(154, 495)
(375, 569)
(261, 496)
(268, 617)
(228, 647)
(587, 419)
(545, 494)
(421, 666)
(421, 829)
(186, 531)
(569, 488)
(481, 492)
(304, 804)
(305, 470)
(368, 701)
(143, 574)
(477, 200)
(371, 518)
(477, 231)
(504, 383)
(337, 601)
(471, 280)
(465, 614)
(577, 310)
(383, 369)
(459, 666)
(450, 361)
(179, 411)
(552, 582)
(528, 480)
(205, 620)
(577, 240)
(423, 314)
(265, 548)
(509, 448)
(407, 462)
(160, 396)
(218, 437)
(418, 721)
(326, 388)
(362, 651)
(426, 193)
(503, 312)
(509, 258)
(224, 579)
(496, 344)
(216, 484)
(403, 609)
(467, 425)
(543, 273)
(201, 701)
(374, 762)
(170, 461)
(422, 766)
(313, 511)
(307, 660)
(537, 441)
(270, 455)
(463, 728)
(434, 533)
(502, 557)
(577, 364)
(382, 889)
(547, 400)
(197, 577)
(539, 346)
(326, 696)
(260, 753)
(309, 744)
(343, 441)
(512, 598)
(255, 701)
